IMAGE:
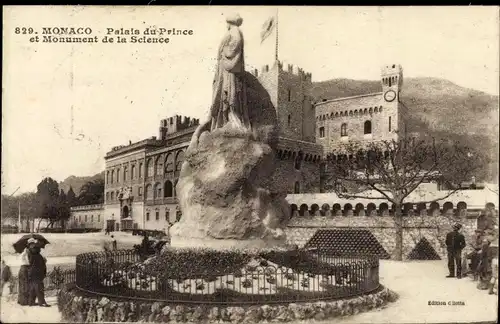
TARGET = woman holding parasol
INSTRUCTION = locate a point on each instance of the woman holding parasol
(28, 246)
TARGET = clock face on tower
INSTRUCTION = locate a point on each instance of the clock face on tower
(390, 96)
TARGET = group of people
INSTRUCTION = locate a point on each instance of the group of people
(32, 272)
(480, 258)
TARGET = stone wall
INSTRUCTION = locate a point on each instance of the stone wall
(433, 228)
(76, 306)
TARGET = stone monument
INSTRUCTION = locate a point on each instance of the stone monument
(226, 189)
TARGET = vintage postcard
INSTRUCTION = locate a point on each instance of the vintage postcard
(250, 164)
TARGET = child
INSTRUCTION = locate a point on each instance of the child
(6, 279)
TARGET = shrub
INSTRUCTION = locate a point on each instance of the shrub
(188, 263)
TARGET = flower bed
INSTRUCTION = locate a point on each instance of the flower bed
(78, 306)
(223, 277)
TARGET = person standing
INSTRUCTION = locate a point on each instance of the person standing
(22, 277)
(455, 242)
(474, 256)
(6, 277)
(36, 275)
(115, 244)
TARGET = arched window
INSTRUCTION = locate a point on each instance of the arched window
(159, 166)
(107, 196)
(149, 168)
(149, 192)
(289, 95)
(132, 172)
(169, 164)
(140, 170)
(298, 161)
(112, 195)
(169, 189)
(368, 127)
(321, 132)
(107, 177)
(158, 190)
(296, 188)
(118, 175)
(125, 173)
(343, 130)
(112, 176)
(289, 120)
(390, 82)
(179, 159)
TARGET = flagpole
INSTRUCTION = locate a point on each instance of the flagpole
(277, 42)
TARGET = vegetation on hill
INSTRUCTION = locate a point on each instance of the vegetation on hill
(78, 182)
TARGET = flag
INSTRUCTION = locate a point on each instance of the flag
(267, 28)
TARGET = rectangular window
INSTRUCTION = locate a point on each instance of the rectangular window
(390, 126)
(321, 132)
(140, 170)
(91, 218)
(289, 95)
(167, 215)
(289, 120)
(147, 216)
(140, 191)
(98, 218)
(157, 215)
(85, 218)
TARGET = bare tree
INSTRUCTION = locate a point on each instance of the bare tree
(392, 170)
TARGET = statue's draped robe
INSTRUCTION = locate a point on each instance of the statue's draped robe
(229, 100)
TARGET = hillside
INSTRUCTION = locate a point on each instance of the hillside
(437, 106)
(78, 182)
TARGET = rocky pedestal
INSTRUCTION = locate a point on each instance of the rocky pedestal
(226, 195)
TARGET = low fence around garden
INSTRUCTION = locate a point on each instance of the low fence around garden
(125, 274)
(54, 280)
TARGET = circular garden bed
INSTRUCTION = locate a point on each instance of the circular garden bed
(228, 285)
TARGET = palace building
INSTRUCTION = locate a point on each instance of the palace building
(140, 178)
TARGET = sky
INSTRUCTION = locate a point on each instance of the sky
(66, 105)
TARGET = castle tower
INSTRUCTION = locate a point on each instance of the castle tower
(395, 114)
(392, 81)
(289, 88)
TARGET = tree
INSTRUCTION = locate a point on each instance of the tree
(48, 198)
(392, 170)
(71, 197)
(92, 192)
(63, 208)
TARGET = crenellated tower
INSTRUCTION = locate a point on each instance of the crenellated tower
(392, 84)
(290, 91)
(175, 124)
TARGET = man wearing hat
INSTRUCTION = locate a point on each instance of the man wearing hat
(455, 242)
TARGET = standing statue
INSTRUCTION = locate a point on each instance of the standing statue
(229, 96)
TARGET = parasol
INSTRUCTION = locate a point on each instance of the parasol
(22, 243)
